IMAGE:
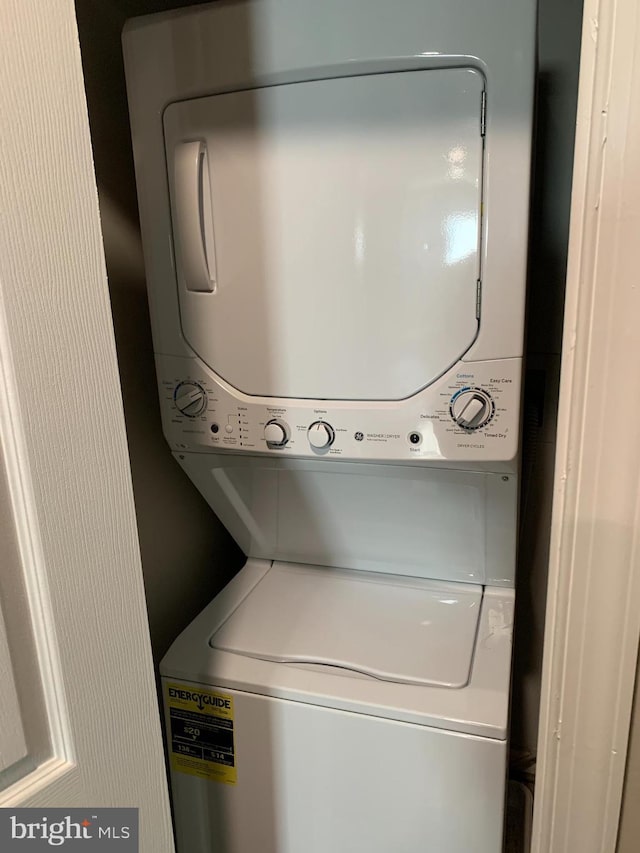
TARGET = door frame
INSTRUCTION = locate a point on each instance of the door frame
(593, 605)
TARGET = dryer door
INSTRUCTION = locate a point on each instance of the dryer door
(327, 233)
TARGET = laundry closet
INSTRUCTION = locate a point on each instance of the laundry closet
(336, 231)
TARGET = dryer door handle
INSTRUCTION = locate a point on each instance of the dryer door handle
(193, 224)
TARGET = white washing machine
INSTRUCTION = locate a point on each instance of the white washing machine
(334, 200)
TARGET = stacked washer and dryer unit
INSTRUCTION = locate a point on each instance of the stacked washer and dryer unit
(334, 202)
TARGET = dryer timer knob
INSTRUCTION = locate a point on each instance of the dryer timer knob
(472, 408)
(190, 399)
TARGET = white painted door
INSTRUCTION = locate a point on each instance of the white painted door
(78, 709)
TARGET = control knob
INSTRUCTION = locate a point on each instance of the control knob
(320, 435)
(472, 408)
(276, 433)
(190, 399)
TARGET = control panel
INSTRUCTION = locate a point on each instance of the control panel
(470, 414)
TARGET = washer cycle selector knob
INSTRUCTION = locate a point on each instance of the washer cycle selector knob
(190, 399)
(320, 435)
(276, 433)
(472, 408)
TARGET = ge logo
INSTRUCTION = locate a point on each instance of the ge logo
(359, 436)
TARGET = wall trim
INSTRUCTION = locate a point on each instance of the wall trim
(593, 608)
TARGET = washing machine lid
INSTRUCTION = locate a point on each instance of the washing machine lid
(327, 233)
(398, 629)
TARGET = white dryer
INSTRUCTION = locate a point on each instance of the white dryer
(333, 200)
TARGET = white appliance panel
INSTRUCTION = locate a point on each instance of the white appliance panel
(398, 629)
(316, 779)
(339, 221)
(427, 523)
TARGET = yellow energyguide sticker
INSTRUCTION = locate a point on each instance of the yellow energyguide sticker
(201, 735)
